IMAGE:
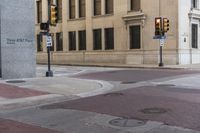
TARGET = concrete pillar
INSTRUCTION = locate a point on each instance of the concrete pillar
(17, 39)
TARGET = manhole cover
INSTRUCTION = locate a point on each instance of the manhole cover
(114, 94)
(122, 122)
(154, 111)
(15, 81)
(128, 82)
(166, 85)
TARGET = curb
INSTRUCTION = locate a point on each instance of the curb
(31, 101)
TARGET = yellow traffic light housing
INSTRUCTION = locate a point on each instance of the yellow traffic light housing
(158, 26)
(165, 25)
(53, 17)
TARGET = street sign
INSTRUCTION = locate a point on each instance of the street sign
(159, 37)
(49, 41)
(162, 42)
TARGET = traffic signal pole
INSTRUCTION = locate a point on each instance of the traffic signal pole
(161, 27)
(49, 73)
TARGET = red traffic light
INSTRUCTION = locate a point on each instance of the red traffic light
(158, 26)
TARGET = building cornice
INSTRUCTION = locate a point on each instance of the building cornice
(194, 14)
(135, 17)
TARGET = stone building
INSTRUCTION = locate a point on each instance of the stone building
(119, 31)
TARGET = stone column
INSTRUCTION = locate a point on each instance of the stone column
(17, 39)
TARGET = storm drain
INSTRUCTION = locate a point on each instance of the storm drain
(154, 111)
(113, 94)
(15, 81)
(128, 82)
(122, 122)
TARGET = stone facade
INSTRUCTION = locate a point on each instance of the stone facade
(17, 39)
(178, 45)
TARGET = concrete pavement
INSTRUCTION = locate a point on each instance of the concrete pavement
(42, 90)
(61, 87)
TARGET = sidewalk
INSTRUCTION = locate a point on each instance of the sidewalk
(42, 90)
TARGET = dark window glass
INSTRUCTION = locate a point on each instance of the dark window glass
(72, 9)
(59, 42)
(39, 43)
(194, 3)
(59, 9)
(39, 11)
(52, 47)
(194, 36)
(82, 40)
(135, 37)
(97, 39)
(50, 2)
(72, 40)
(135, 5)
(81, 8)
(109, 38)
(97, 7)
(108, 6)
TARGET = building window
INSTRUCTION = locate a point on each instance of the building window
(135, 41)
(50, 2)
(194, 36)
(109, 6)
(194, 3)
(52, 47)
(39, 11)
(109, 38)
(82, 40)
(135, 5)
(97, 39)
(59, 7)
(72, 41)
(97, 7)
(39, 43)
(72, 9)
(59, 42)
(81, 8)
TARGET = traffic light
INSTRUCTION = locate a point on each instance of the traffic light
(53, 18)
(165, 25)
(158, 26)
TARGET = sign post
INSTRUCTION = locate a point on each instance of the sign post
(49, 73)
(161, 58)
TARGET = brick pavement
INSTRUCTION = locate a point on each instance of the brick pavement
(136, 75)
(182, 105)
(12, 92)
(9, 126)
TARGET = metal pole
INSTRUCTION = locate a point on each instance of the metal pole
(49, 73)
(49, 60)
(161, 59)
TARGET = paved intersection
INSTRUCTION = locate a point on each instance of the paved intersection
(85, 102)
